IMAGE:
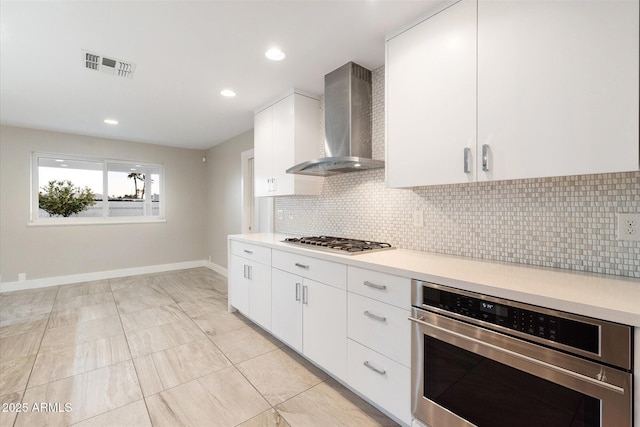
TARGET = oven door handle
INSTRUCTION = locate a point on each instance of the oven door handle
(594, 381)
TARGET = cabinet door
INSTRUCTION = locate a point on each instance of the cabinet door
(431, 100)
(286, 304)
(324, 326)
(262, 164)
(238, 284)
(557, 87)
(260, 293)
(283, 145)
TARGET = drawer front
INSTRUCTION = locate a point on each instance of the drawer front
(385, 382)
(394, 290)
(259, 254)
(381, 327)
(319, 270)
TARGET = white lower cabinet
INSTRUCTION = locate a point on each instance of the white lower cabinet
(382, 380)
(250, 281)
(324, 326)
(286, 304)
(311, 316)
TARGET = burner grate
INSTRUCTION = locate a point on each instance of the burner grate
(339, 244)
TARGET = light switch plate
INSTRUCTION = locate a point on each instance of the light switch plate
(629, 226)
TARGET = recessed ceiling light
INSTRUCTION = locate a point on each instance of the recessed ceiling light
(132, 169)
(274, 54)
(64, 166)
(228, 93)
(111, 121)
(59, 160)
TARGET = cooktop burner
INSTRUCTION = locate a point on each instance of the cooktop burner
(339, 244)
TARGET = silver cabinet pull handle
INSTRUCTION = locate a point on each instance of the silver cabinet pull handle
(485, 157)
(306, 267)
(467, 155)
(373, 368)
(305, 295)
(297, 291)
(244, 272)
(375, 286)
(375, 316)
(247, 251)
(250, 271)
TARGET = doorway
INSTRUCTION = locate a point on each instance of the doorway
(257, 212)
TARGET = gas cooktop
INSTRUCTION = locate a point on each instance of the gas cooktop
(339, 244)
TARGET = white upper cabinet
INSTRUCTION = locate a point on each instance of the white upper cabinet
(286, 133)
(557, 87)
(557, 92)
(431, 100)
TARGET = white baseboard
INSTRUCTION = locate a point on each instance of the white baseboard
(111, 274)
(217, 268)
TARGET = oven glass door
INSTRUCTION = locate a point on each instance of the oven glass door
(463, 375)
(488, 393)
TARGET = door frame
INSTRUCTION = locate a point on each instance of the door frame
(257, 212)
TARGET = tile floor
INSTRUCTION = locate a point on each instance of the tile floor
(156, 350)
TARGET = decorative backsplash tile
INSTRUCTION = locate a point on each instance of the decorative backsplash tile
(562, 222)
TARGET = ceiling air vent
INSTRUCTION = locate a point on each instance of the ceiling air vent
(111, 66)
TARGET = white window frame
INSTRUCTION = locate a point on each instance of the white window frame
(35, 220)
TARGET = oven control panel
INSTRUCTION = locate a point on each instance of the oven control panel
(528, 321)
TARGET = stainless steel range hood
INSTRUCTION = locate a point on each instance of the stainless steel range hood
(347, 106)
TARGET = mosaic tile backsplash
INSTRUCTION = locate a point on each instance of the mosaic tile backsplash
(562, 222)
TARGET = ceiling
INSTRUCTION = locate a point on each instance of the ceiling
(185, 53)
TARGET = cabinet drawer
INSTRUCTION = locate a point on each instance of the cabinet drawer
(385, 382)
(327, 272)
(259, 254)
(394, 290)
(380, 326)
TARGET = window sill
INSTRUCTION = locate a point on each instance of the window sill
(48, 222)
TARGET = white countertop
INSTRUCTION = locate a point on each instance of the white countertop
(606, 297)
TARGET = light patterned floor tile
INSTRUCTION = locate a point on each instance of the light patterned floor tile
(22, 328)
(151, 317)
(224, 398)
(28, 296)
(68, 361)
(135, 292)
(330, 404)
(82, 300)
(15, 314)
(91, 330)
(84, 288)
(89, 394)
(204, 306)
(163, 337)
(14, 374)
(220, 322)
(13, 406)
(245, 343)
(178, 365)
(143, 303)
(133, 414)
(71, 316)
(13, 347)
(281, 374)
(269, 418)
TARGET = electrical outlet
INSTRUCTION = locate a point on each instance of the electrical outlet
(629, 226)
(22, 277)
(290, 214)
(280, 214)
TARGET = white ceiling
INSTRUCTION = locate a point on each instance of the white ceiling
(185, 52)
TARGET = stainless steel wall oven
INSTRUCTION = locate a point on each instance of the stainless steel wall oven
(483, 361)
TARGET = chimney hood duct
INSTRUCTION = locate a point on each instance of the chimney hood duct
(347, 106)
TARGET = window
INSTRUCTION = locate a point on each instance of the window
(73, 189)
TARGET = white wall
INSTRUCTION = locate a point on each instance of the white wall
(51, 251)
